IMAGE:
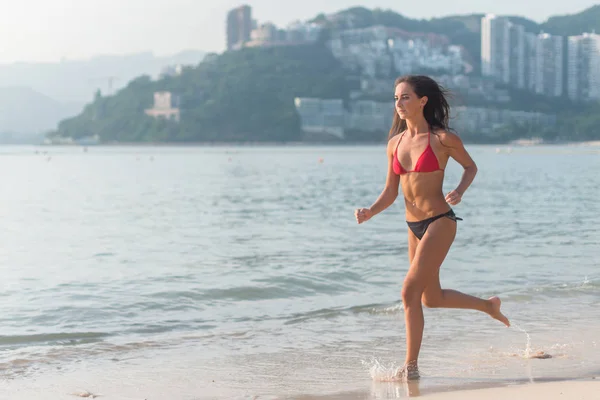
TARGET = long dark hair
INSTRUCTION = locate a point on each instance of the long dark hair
(436, 110)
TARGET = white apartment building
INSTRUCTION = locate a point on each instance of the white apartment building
(549, 65)
(503, 51)
(321, 117)
(583, 67)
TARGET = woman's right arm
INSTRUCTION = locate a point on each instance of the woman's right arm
(392, 182)
(389, 193)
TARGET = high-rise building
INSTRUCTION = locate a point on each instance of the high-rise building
(517, 59)
(530, 57)
(549, 65)
(583, 67)
(493, 48)
(239, 26)
(503, 50)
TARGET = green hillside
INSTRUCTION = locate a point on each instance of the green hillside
(247, 95)
(244, 95)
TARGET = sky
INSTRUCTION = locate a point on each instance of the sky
(51, 30)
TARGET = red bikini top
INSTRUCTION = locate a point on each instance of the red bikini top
(427, 162)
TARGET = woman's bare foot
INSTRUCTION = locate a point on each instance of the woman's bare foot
(495, 311)
(409, 372)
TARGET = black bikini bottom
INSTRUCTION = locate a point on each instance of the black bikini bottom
(420, 227)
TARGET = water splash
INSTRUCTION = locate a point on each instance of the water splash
(528, 350)
(529, 353)
(382, 373)
(586, 281)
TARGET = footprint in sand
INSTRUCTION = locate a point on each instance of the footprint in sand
(85, 394)
(540, 355)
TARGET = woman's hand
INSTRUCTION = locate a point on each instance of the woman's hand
(454, 197)
(362, 215)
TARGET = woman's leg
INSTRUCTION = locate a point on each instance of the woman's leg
(429, 255)
(422, 285)
(410, 371)
(435, 297)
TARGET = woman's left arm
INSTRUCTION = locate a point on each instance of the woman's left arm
(456, 150)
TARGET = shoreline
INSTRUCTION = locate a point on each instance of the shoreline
(514, 143)
(543, 389)
(588, 389)
(518, 389)
(581, 388)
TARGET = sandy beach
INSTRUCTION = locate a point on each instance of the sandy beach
(571, 390)
(584, 389)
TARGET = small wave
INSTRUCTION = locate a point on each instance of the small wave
(325, 313)
(169, 326)
(230, 335)
(376, 309)
(299, 285)
(238, 293)
(567, 289)
(62, 338)
(103, 255)
(20, 363)
(330, 313)
(585, 285)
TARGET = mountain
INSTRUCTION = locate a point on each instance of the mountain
(248, 95)
(574, 24)
(34, 97)
(245, 95)
(77, 80)
(25, 111)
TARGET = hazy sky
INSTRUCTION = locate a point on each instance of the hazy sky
(47, 30)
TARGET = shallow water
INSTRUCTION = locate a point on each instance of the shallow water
(216, 272)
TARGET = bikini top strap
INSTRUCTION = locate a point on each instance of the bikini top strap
(399, 140)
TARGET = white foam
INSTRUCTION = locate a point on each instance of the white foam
(382, 373)
(389, 310)
(528, 350)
